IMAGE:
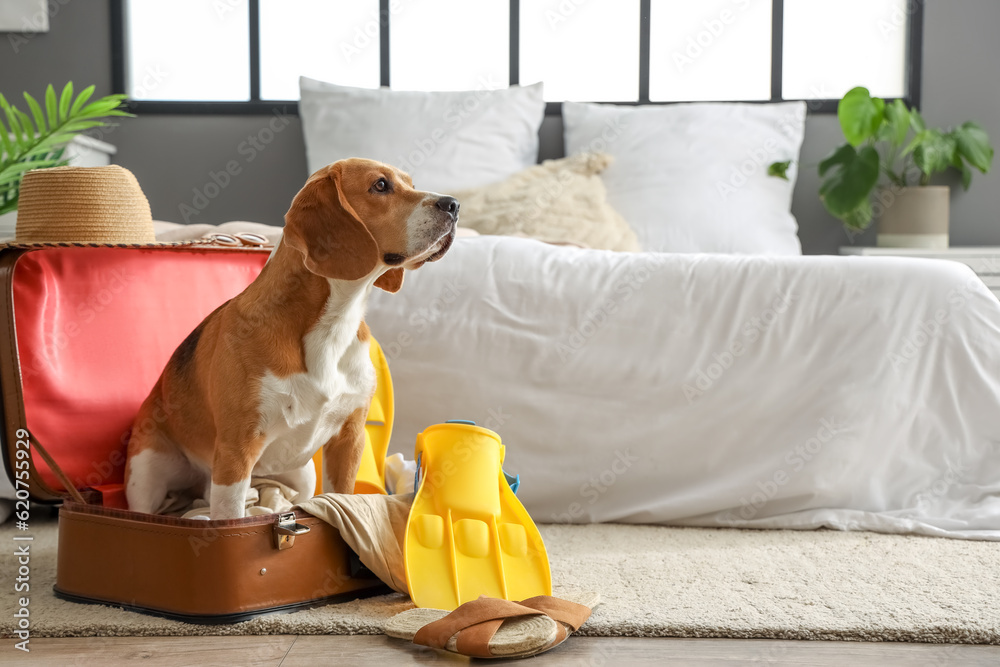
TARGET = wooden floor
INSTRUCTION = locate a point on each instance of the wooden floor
(311, 650)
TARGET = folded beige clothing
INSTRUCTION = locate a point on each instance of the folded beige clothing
(373, 526)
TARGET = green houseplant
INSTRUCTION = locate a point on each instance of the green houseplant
(889, 154)
(37, 140)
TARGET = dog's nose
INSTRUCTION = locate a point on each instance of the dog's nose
(448, 205)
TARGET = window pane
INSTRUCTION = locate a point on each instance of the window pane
(188, 50)
(582, 51)
(329, 40)
(831, 47)
(449, 44)
(710, 50)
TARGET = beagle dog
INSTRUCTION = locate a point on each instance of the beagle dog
(282, 369)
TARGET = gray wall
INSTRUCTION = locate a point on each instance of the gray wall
(173, 156)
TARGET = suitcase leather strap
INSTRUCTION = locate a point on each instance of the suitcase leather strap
(10, 377)
(54, 467)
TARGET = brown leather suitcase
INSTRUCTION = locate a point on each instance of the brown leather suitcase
(87, 330)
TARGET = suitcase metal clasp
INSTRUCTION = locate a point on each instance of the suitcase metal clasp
(285, 530)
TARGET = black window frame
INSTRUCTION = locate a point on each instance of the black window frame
(257, 106)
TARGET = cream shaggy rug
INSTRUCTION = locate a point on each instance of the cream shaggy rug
(655, 582)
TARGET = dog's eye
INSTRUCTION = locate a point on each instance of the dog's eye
(381, 185)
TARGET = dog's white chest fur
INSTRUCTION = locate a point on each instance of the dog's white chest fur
(301, 412)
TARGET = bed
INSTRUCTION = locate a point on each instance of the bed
(711, 390)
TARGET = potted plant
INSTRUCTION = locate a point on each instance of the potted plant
(36, 140)
(885, 168)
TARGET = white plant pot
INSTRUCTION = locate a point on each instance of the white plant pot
(8, 223)
(82, 151)
(914, 217)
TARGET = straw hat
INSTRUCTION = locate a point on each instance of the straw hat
(91, 205)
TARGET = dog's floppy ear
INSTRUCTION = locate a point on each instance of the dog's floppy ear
(326, 230)
(391, 280)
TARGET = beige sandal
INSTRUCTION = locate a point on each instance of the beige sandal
(494, 628)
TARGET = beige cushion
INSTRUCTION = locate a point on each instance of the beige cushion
(560, 201)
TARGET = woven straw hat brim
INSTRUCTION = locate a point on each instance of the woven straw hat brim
(83, 205)
(86, 244)
(244, 241)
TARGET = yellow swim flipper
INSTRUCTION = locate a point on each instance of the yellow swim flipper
(378, 427)
(468, 534)
(378, 431)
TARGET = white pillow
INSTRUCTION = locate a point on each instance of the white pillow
(445, 141)
(693, 177)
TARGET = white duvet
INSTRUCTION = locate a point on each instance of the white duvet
(711, 390)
